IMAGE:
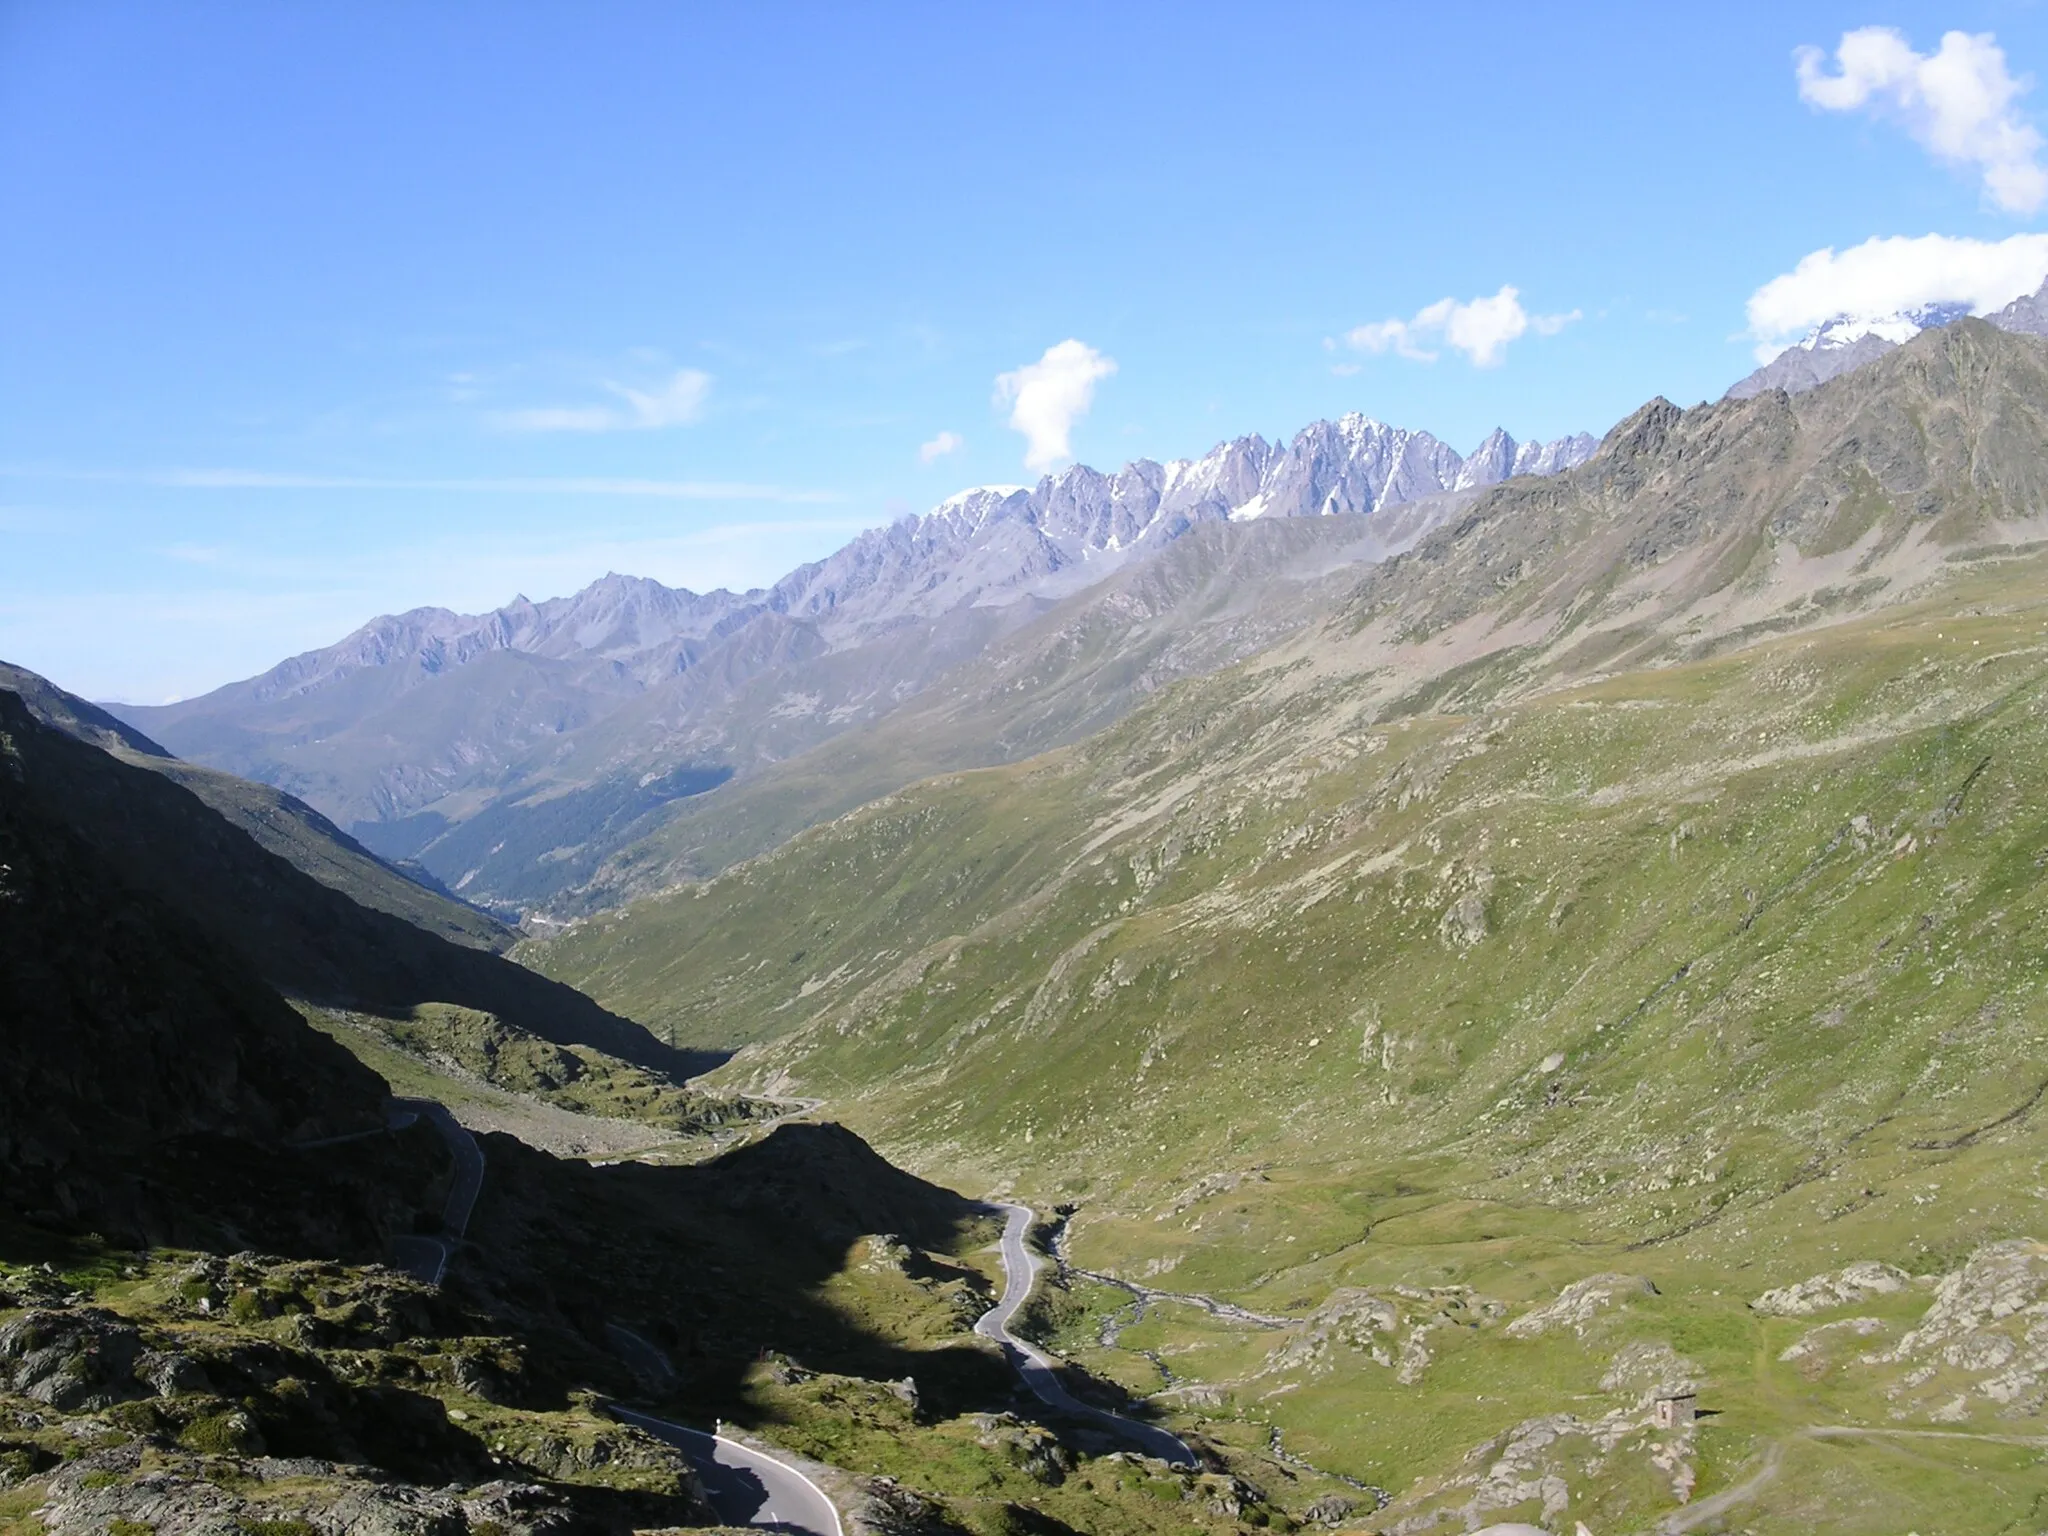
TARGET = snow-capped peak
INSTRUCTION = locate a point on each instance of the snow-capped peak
(1897, 328)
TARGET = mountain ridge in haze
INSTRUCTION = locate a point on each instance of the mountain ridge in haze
(576, 717)
(1351, 465)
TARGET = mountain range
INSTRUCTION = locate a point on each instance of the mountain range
(511, 753)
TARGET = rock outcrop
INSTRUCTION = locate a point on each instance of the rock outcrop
(1845, 1287)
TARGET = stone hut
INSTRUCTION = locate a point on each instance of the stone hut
(1678, 1410)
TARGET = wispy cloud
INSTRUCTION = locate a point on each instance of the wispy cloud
(1480, 328)
(677, 403)
(232, 479)
(940, 446)
(1047, 397)
(1885, 275)
(1958, 103)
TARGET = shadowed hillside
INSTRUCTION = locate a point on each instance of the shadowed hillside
(134, 1041)
(309, 941)
(285, 826)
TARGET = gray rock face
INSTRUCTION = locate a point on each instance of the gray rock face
(1803, 368)
(1848, 1286)
(90, 1494)
(1579, 1304)
(2028, 314)
(74, 1361)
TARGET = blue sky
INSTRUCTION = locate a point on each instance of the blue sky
(308, 313)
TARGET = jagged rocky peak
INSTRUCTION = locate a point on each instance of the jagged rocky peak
(985, 546)
(1556, 456)
(993, 545)
(1354, 465)
(1491, 462)
(1500, 458)
(1643, 430)
(2027, 315)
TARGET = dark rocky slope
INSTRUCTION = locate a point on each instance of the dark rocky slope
(135, 1043)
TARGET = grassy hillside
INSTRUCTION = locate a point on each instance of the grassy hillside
(1212, 598)
(1725, 975)
(1631, 908)
(565, 1098)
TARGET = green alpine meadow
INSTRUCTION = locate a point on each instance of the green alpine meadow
(1447, 1030)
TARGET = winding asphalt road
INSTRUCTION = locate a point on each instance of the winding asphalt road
(1039, 1370)
(426, 1257)
(745, 1486)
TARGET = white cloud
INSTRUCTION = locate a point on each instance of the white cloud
(1047, 397)
(1481, 328)
(677, 403)
(1898, 272)
(1957, 103)
(940, 446)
